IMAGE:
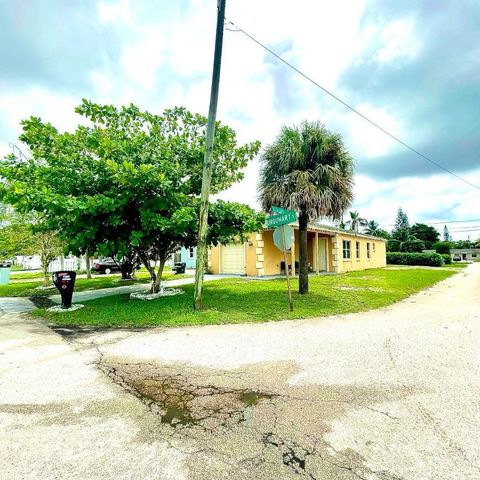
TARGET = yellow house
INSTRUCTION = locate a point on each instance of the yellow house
(330, 249)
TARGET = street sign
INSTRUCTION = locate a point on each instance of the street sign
(281, 219)
(279, 210)
(282, 237)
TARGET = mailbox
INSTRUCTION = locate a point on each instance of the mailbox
(65, 281)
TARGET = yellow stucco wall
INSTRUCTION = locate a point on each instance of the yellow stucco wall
(251, 255)
(213, 259)
(377, 253)
(262, 257)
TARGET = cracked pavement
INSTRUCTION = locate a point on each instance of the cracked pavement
(389, 394)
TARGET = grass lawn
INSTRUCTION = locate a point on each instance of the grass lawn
(244, 300)
(456, 265)
(18, 287)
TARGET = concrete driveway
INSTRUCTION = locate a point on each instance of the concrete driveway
(389, 394)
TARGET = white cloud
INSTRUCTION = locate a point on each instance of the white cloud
(398, 40)
(114, 12)
(177, 46)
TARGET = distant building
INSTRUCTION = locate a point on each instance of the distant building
(187, 255)
(465, 254)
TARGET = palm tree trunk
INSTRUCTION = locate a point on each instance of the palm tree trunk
(303, 254)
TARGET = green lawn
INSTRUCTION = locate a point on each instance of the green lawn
(244, 300)
(456, 265)
(20, 288)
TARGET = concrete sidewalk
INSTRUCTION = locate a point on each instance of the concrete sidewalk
(22, 304)
(63, 419)
(86, 295)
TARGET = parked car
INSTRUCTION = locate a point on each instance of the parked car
(106, 265)
(457, 258)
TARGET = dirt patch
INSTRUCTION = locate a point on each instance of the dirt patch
(181, 402)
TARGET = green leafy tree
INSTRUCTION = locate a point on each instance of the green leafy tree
(356, 221)
(129, 182)
(48, 247)
(463, 244)
(309, 170)
(429, 235)
(16, 239)
(383, 234)
(442, 247)
(412, 246)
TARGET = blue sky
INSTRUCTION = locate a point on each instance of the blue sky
(412, 66)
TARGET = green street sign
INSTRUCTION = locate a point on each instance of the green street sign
(281, 219)
(279, 210)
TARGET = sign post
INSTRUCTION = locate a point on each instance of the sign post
(282, 238)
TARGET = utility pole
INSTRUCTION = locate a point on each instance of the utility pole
(207, 163)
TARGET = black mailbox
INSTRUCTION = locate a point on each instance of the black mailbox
(65, 281)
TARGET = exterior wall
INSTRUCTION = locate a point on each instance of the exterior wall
(253, 249)
(262, 257)
(272, 255)
(254, 252)
(467, 254)
(377, 257)
(214, 255)
(184, 256)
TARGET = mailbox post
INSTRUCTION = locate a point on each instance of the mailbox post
(65, 281)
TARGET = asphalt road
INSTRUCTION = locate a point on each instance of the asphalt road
(389, 394)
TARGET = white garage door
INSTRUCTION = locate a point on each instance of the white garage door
(233, 259)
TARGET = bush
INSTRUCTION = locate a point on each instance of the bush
(404, 258)
(412, 246)
(393, 245)
(447, 258)
(442, 247)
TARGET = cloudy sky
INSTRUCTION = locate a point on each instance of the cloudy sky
(411, 66)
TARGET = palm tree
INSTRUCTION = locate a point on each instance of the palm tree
(307, 169)
(372, 228)
(356, 221)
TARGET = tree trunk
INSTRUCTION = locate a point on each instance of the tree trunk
(303, 254)
(46, 277)
(88, 266)
(158, 277)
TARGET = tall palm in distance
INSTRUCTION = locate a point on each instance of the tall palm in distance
(356, 221)
(307, 169)
(372, 228)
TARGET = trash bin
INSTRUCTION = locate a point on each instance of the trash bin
(65, 281)
(179, 267)
(4, 273)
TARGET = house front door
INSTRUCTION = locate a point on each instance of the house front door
(322, 254)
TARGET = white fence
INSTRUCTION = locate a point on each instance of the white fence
(70, 263)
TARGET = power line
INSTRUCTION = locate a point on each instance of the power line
(345, 104)
(442, 222)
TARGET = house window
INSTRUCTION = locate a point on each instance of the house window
(474, 254)
(357, 248)
(190, 253)
(368, 249)
(373, 247)
(346, 249)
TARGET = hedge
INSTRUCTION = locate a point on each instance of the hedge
(404, 258)
(447, 258)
